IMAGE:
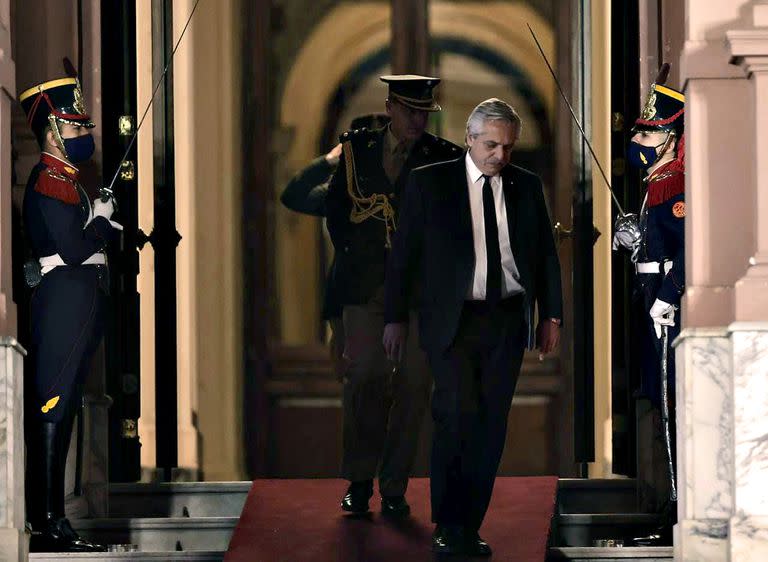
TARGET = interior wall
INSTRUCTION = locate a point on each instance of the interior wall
(145, 283)
(348, 34)
(208, 217)
(212, 173)
(601, 212)
(8, 323)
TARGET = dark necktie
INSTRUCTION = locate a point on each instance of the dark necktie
(492, 249)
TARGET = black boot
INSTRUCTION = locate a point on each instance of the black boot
(51, 531)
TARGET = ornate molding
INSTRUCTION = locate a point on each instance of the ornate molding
(749, 49)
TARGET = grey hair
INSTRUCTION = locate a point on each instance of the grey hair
(492, 109)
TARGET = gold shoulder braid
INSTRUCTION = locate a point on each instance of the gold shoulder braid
(375, 206)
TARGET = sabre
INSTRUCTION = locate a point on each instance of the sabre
(665, 412)
(576, 120)
(107, 192)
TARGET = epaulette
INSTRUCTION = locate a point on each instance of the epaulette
(354, 134)
(665, 186)
(450, 147)
(57, 186)
(444, 146)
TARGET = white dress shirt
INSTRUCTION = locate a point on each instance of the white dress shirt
(511, 284)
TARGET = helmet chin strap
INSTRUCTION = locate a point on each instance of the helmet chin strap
(53, 122)
(665, 145)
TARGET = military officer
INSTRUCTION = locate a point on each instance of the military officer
(658, 248)
(384, 403)
(67, 234)
(306, 193)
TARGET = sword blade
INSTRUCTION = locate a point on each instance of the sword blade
(576, 120)
(107, 192)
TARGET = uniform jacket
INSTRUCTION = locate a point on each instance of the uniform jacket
(663, 230)
(360, 248)
(306, 191)
(56, 209)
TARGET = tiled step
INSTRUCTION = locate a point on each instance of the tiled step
(625, 554)
(161, 534)
(597, 495)
(181, 499)
(580, 529)
(212, 556)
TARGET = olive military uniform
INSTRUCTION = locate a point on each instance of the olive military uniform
(384, 405)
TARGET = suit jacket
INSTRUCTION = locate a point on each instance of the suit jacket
(361, 254)
(434, 244)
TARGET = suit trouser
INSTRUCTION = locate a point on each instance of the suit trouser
(383, 409)
(475, 379)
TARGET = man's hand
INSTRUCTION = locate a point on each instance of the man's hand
(663, 314)
(333, 156)
(624, 239)
(395, 336)
(547, 336)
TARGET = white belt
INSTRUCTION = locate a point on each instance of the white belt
(49, 262)
(653, 267)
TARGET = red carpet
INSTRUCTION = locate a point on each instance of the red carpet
(300, 521)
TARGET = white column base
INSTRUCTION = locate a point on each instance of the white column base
(14, 545)
(748, 539)
(701, 540)
(704, 444)
(13, 539)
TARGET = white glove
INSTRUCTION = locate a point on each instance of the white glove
(663, 314)
(624, 239)
(102, 209)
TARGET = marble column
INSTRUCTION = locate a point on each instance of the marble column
(704, 451)
(13, 539)
(722, 354)
(748, 529)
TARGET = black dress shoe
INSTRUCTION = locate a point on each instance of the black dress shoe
(448, 540)
(58, 536)
(395, 506)
(357, 496)
(475, 545)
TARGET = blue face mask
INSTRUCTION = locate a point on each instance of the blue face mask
(641, 156)
(79, 149)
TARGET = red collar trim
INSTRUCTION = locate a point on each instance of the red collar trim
(59, 165)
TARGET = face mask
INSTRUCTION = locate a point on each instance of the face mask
(79, 149)
(641, 156)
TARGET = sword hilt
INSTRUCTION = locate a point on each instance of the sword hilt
(105, 194)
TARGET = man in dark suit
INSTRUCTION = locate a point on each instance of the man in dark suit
(475, 236)
(383, 412)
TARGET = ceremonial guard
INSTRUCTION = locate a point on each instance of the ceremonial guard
(657, 243)
(67, 235)
(384, 403)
